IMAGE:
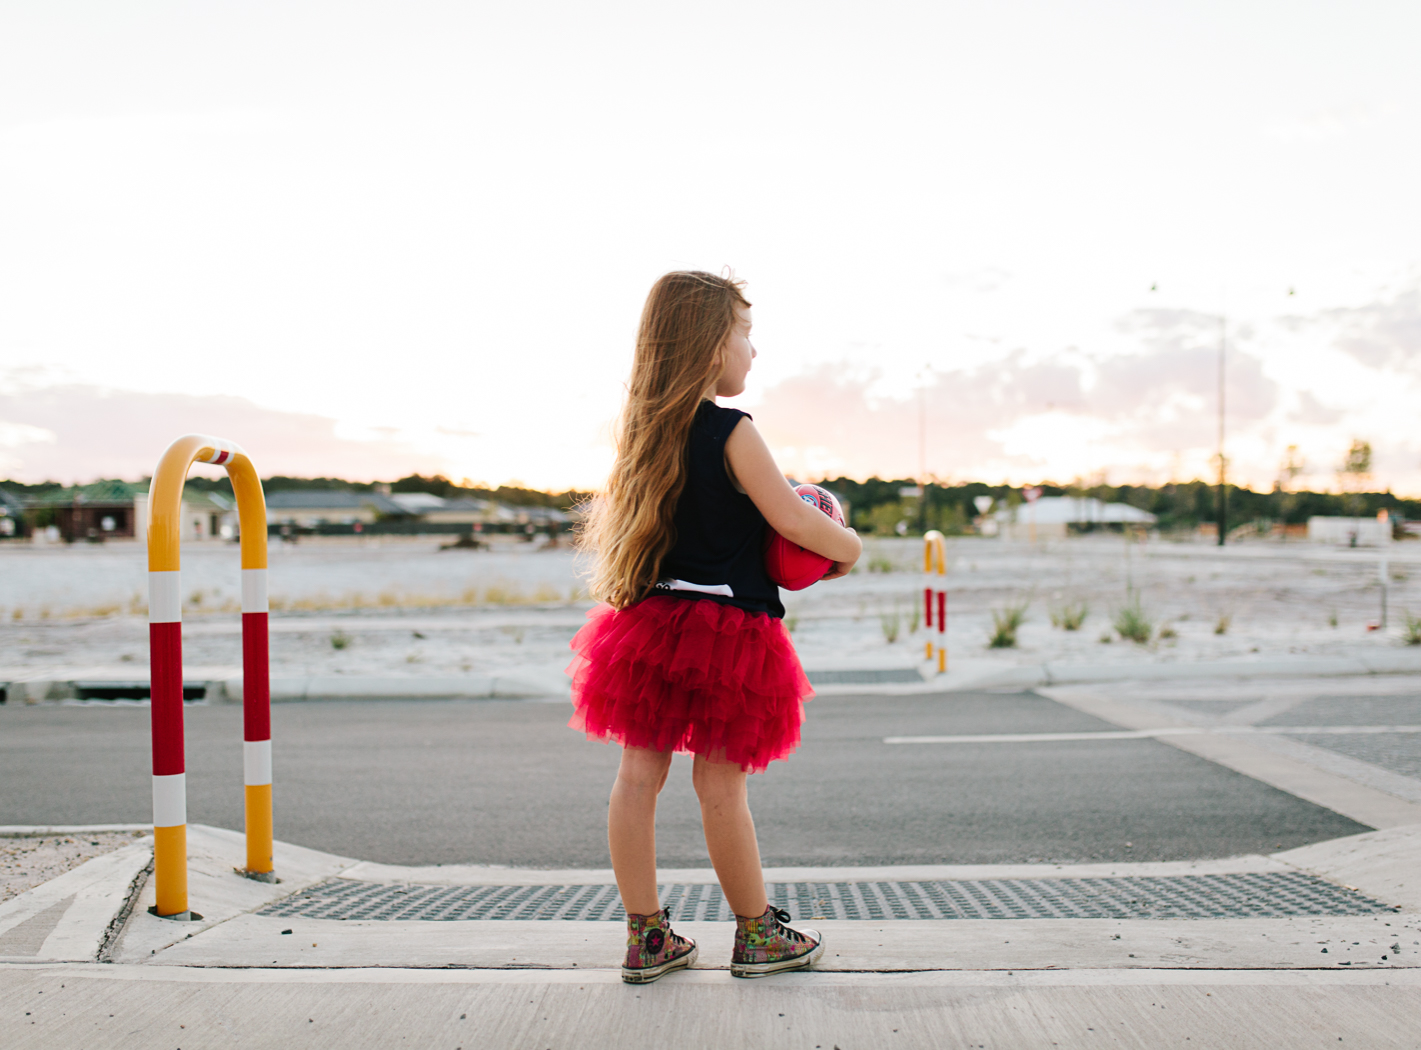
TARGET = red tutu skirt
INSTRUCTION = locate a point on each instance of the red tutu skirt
(689, 675)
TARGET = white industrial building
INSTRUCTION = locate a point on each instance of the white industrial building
(1351, 532)
(1055, 517)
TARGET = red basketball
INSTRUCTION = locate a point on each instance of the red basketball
(789, 564)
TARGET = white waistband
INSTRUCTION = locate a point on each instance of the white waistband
(722, 589)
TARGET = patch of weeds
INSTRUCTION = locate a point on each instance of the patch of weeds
(1106, 638)
(340, 640)
(1332, 618)
(880, 563)
(1005, 623)
(1070, 617)
(891, 623)
(1167, 633)
(1399, 575)
(515, 631)
(915, 619)
(1131, 623)
(791, 622)
(1222, 624)
(1411, 634)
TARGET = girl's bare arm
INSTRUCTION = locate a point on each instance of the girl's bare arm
(753, 470)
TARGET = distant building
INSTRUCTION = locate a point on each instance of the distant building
(1351, 532)
(310, 507)
(1055, 517)
(540, 517)
(203, 516)
(470, 511)
(418, 502)
(96, 512)
(12, 516)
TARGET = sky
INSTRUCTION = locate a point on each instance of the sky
(999, 242)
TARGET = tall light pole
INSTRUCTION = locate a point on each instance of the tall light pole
(922, 433)
(923, 449)
(1223, 493)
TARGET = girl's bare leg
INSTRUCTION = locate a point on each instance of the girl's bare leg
(631, 826)
(730, 835)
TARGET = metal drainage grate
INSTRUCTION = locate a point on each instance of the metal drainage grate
(132, 690)
(882, 676)
(1255, 896)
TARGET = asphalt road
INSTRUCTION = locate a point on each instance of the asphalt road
(506, 782)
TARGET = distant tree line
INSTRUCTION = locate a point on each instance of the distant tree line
(876, 505)
(438, 484)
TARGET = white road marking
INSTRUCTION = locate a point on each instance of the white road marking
(1140, 734)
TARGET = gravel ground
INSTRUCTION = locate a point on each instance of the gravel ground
(27, 862)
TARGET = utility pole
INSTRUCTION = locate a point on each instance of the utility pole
(923, 450)
(1223, 496)
(922, 429)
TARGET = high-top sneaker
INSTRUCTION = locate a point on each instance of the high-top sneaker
(653, 950)
(765, 945)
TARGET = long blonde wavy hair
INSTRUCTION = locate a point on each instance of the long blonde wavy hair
(686, 322)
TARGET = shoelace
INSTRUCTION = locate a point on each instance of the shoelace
(782, 917)
(671, 935)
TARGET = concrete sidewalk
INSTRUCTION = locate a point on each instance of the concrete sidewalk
(86, 965)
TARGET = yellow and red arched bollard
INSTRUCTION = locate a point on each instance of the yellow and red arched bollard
(165, 641)
(935, 558)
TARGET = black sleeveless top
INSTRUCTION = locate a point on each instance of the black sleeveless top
(719, 530)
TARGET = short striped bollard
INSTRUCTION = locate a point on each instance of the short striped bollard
(935, 558)
(165, 640)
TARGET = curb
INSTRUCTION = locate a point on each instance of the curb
(1048, 674)
(44, 831)
(538, 683)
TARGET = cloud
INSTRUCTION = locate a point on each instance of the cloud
(1016, 417)
(1167, 396)
(827, 420)
(1384, 334)
(76, 432)
(1312, 412)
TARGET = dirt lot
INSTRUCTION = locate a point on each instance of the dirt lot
(27, 862)
(405, 607)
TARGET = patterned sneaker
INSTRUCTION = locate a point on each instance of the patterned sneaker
(766, 945)
(653, 950)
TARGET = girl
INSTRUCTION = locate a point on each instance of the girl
(688, 653)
